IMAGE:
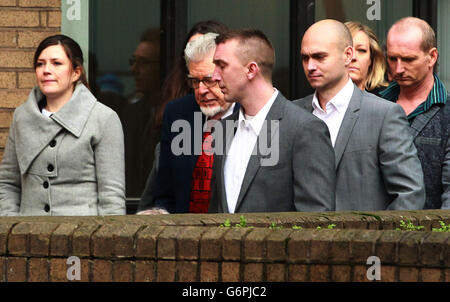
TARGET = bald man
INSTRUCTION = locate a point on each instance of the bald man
(377, 167)
(412, 55)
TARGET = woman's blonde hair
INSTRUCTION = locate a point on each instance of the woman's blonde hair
(377, 68)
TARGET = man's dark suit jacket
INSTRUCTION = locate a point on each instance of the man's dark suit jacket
(304, 177)
(174, 178)
(431, 132)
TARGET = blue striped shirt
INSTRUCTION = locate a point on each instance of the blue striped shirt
(437, 95)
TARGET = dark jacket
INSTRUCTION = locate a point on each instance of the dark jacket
(431, 133)
(174, 176)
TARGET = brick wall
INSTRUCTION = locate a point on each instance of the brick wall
(23, 24)
(195, 247)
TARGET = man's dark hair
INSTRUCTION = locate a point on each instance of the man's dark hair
(253, 46)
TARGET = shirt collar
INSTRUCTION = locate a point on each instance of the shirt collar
(438, 93)
(340, 101)
(257, 121)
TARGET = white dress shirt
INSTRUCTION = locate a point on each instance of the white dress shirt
(335, 109)
(241, 149)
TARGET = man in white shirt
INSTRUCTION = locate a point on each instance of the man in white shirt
(377, 166)
(277, 157)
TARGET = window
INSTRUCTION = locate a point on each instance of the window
(110, 32)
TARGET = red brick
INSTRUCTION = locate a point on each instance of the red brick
(431, 275)
(189, 243)
(209, 272)
(255, 245)
(16, 270)
(341, 273)
(60, 243)
(58, 270)
(166, 271)
(319, 273)
(40, 3)
(298, 273)
(5, 228)
(103, 242)
(81, 240)
(38, 270)
(386, 246)
(7, 2)
(211, 243)
(388, 273)
(123, 271)
(5, 119)
(339, 248)
(253, 272)
(13, 98)
(146, 242)
(360, 273)
(232, 243)
(432, 249)
(276, 272)
(167, 243)
(102, 271)
(145, 271)
(231, 271)
(320, 245)
(408, 274)
(276, 244)
(362, 245)
(8, 78)
(408, 248)
(2, 269)
(299, 245)
(18, 243)
(39, 238)
(19, 18)
(54, 19)
(187, 271)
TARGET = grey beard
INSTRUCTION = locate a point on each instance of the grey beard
(211, 111)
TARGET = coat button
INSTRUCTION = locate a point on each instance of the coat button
(50, 168)
(47, 208)
(45, 184)
(53, 143)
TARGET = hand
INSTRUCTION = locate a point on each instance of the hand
(154, 211)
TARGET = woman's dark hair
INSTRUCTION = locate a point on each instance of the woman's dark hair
(72, 49)
(175, 85)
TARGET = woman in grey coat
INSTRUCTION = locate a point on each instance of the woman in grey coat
(65, 151)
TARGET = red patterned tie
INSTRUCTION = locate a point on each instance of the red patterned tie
(201, 178)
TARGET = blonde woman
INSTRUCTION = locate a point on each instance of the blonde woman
(368, 66)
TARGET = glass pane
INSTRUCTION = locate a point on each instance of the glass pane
(443, 39)
(131, 89)
(270, 16)
(378, 18)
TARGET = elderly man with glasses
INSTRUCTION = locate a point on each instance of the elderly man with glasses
(185, 167)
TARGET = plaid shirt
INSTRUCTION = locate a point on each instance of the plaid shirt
(438, 95)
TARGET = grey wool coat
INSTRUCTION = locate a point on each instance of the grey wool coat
(68, 164)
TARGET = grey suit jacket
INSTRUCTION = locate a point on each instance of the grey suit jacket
(303, 179)
(377, 166)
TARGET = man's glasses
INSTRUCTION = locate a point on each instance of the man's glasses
(207, 81)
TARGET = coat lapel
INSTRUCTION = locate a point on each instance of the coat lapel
(350, 118)
(35, 131)
(275, 113)
(422, 120)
